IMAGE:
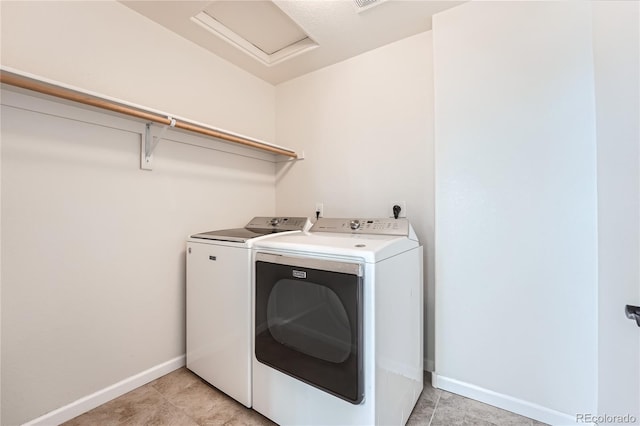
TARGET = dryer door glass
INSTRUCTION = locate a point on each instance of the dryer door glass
(309, 318)
(309, 324)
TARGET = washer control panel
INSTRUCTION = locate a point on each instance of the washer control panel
(278, 223)
(362, 226)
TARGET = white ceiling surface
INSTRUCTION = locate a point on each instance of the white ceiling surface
(339, 29)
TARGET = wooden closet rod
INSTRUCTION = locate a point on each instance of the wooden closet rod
(72, 95)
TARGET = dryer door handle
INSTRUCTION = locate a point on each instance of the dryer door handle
(633, 312)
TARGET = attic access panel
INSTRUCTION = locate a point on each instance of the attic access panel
(259, 28)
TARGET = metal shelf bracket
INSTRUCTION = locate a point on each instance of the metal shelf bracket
(149, 142)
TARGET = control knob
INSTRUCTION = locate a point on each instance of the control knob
(274, 222)
(354, 224)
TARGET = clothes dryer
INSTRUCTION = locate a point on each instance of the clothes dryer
(338, 324)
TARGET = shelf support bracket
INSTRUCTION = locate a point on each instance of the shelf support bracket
(149, 142)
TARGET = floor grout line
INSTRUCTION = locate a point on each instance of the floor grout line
(180, 409)
(435, 407)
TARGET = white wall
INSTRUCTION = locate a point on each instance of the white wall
(516, 206)
(108, 48)
(617, 70)
(365, 126)
(93, 247)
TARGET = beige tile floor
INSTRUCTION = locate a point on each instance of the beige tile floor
(182, 399)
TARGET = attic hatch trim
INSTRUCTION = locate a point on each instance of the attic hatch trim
(218, 29)
(56, 89)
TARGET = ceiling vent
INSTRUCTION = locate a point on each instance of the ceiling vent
(362, 5)
(258, 28)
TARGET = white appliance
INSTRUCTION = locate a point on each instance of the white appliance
(338, 324)
(219, 302)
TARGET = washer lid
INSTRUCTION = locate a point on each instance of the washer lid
(237, 235)
(259, 226)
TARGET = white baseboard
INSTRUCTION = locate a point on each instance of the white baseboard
(98, 398)
(506, 402)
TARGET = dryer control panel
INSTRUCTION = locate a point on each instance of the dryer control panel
(382, 226)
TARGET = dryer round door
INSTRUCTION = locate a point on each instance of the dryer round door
(308, 322)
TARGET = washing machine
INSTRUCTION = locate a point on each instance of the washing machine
(218, 302)
(338, 324)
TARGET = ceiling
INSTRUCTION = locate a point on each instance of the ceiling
(280, 40)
